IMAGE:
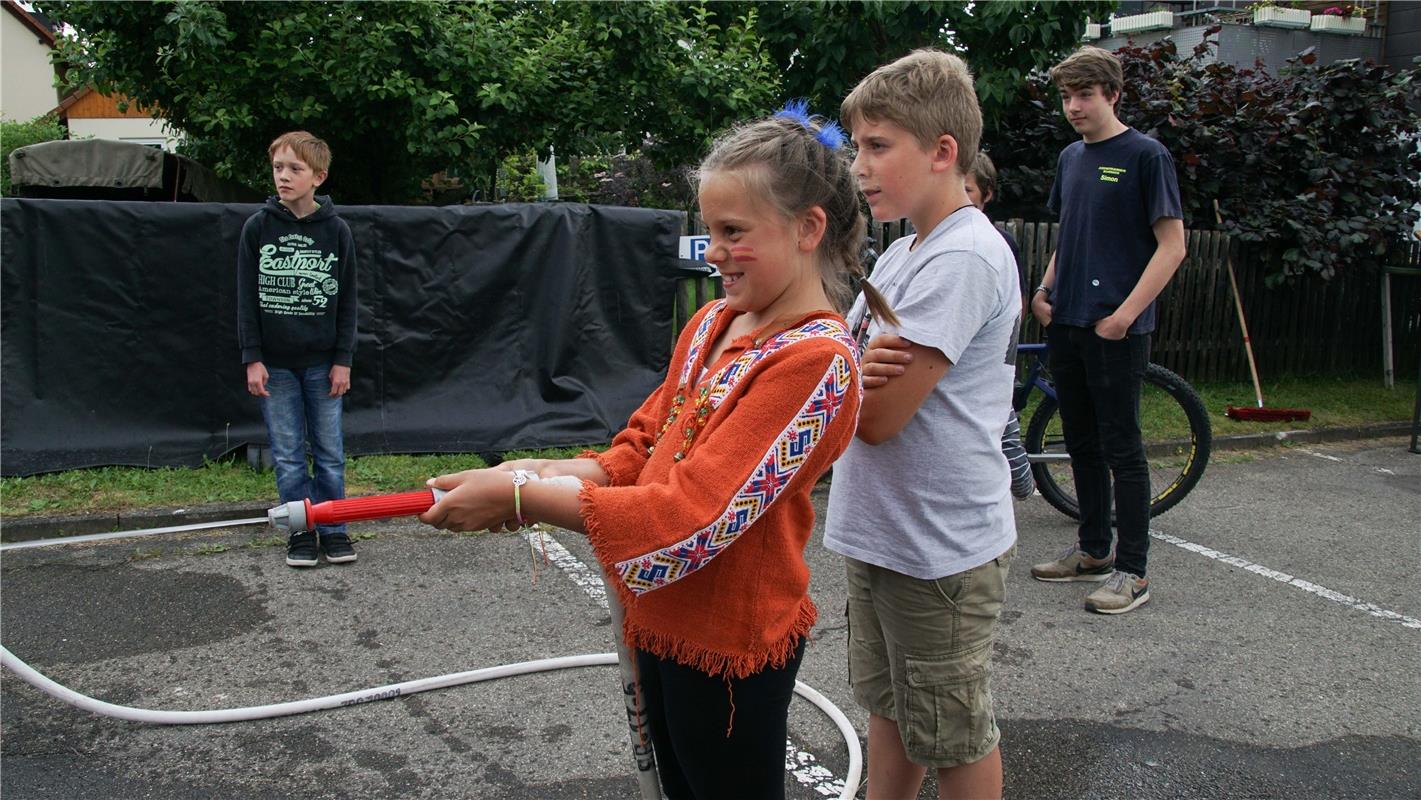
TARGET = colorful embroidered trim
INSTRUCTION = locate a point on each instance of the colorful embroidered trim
(719, 386)
(698, 343)
(731, 374)
(789, 452)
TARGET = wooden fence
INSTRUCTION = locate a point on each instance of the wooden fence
(1313, 327)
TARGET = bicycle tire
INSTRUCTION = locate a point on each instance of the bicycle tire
(1175, 465)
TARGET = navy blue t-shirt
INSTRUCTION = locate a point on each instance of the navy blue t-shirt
(1108, 195)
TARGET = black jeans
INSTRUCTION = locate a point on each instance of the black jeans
(1098, 386)
(690, 712)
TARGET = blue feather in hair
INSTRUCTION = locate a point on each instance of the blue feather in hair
(830, 134)
(797, 110)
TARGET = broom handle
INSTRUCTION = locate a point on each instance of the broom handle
(1238, 306)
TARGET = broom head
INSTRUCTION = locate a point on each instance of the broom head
(1261, 414)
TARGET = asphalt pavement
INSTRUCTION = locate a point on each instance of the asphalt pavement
(1278, 657)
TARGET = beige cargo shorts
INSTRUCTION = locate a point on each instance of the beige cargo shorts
(920, 653)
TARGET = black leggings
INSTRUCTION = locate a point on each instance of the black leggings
(689, 712)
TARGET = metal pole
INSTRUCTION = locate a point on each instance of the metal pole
(1416, 417)
(1388, 373)
(643, 757)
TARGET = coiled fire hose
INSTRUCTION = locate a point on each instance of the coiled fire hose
(302, 515)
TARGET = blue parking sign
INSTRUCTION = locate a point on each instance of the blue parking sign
(695, 247)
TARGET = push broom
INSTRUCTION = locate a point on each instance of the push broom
(1259, 413)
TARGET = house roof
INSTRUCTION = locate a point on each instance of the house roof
(72, 98)
(39, 24)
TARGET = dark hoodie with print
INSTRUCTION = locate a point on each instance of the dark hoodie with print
(296, 294)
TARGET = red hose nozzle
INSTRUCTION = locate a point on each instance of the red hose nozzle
(303, 515)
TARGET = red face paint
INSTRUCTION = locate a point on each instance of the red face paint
(741, 254)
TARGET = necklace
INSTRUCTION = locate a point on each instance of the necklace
(700, 412)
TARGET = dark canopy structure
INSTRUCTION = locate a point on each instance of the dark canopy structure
(103, 169)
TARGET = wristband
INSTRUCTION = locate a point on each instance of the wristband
(1043, 288)
(520, 477)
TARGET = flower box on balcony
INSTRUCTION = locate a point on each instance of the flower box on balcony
(1332, 23)
(1092, 32)
(1280, 17)
(1149, 21)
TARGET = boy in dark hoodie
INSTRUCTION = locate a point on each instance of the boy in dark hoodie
(296, 312)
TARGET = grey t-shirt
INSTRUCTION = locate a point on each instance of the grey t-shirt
(935, 499)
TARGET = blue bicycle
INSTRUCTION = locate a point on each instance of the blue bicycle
(1168, 406)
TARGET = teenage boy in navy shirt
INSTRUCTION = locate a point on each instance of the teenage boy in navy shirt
(1121, 240)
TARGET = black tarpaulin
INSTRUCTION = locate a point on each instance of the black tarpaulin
(482, 329)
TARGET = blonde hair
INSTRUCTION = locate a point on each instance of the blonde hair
(307, 147)
(984, 172)
(1090, 66)
(788, 164)
(927, 93)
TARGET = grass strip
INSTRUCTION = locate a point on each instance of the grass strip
(1334, 402)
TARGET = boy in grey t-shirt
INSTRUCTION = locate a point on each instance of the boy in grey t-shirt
(920, 504)
(935, 499)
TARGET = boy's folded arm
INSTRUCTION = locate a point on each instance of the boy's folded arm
(887, 408)
(884, 359)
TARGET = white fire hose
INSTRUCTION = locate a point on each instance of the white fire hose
(286, 517)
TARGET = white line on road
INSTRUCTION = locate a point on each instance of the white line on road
(1283, 577)
(803, 766)
(543, 542)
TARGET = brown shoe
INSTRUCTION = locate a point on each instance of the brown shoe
(1073, 564)
(1122, 592)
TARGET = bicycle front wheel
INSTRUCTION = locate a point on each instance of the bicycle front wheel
(1173, 423)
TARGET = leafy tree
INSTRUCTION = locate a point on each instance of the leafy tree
(619, 180)
(1315, 167)
(405, 90)
(824, 47)
(19, 134)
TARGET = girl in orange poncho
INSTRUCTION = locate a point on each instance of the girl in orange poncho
(700, 511)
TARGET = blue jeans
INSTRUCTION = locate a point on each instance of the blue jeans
(1098, 386)
(301, 411)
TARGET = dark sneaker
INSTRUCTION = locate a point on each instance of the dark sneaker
(1074, 565)
(1121, 592)
(338, 548)
(301, 550)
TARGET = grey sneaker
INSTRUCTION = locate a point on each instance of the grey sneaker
(338, 548)
(1074, 565)
(301, 550)
(1121, 592)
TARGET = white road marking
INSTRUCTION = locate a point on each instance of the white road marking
(803, 766)
(1283, 577)
(589, 581)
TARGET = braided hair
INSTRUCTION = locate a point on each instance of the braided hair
(797, 161)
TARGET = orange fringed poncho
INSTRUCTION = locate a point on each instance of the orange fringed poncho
(703, 528)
